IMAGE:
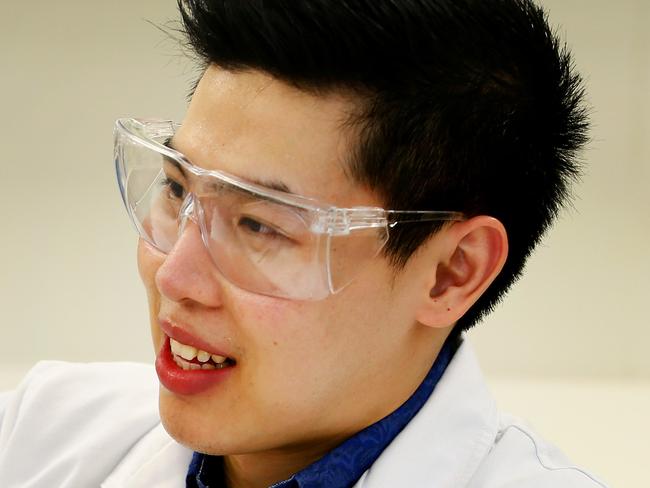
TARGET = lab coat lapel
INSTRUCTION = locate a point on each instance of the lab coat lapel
(156, 460)
(446, 441)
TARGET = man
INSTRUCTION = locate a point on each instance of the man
(354, 185)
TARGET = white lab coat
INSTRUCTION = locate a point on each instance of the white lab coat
(87, 425)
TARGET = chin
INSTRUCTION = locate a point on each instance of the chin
(188, 427)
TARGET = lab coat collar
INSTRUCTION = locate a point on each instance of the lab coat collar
(445, 443)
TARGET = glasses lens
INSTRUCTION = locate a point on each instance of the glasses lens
(153, 194)
(257, 241)
(264, 246)
(350, 253)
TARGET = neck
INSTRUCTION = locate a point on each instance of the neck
(260, 470)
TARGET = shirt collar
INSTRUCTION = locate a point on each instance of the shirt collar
(343, 465)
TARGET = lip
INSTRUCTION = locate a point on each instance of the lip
(186, 382)
(181, 335)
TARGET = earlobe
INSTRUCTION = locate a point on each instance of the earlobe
(473, 253)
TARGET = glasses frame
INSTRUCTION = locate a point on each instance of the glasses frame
(328, 219)
(332, 220)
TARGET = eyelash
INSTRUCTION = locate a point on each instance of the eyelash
(173, 187)
(250, 224)
(258, 227)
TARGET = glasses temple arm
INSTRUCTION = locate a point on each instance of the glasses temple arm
(395, 217)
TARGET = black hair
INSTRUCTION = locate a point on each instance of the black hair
(468, 105)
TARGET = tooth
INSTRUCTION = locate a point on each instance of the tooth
(218, 359)
(187, 352)
(208, 366)
(203, 356)
(181, 364)
(190, 352)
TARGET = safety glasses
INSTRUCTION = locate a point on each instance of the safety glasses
(262, 240)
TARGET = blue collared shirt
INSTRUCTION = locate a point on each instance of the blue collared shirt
(342, 466)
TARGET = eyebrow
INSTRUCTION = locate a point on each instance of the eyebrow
(270, 184)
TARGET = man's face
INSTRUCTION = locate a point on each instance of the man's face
(307, 373)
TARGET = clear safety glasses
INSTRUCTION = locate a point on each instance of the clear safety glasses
(260, 239)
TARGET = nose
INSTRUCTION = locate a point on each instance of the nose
(188, 274)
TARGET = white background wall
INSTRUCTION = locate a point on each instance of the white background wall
(569, 346)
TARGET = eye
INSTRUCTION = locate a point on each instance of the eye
(174, 188)
(255, 227)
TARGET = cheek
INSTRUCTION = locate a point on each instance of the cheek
(286, 345)
(267, 324)
(302, 350)
(304, 357)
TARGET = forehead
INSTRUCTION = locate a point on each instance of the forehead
(258, 128)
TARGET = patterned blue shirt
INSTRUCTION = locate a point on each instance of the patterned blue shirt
(342, 466)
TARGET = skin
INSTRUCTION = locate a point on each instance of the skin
(309, 374)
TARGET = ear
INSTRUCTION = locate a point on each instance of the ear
(470, 255)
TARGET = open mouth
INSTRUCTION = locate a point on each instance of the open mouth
(184, 369)
(190, 358)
